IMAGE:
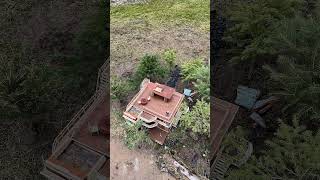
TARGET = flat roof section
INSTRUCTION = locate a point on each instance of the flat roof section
(99, 117)
(82, 152)
(157, 106)
(162, 90)
(223, 114)
(76, 159)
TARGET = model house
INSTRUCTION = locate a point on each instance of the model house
(158, 106)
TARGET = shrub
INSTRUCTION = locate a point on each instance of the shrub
(134, 135)
(198, 119)
(296, 77)
(150, 67)
(170, 56)
(290, 155)
(120, 89)
(202, 84)
(251, 24)
(189, 70)
(199, 73)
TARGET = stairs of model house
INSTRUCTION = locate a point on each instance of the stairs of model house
(102, 77)
(101, 89)
(219, 168)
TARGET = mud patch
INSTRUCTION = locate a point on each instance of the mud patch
(133, 164)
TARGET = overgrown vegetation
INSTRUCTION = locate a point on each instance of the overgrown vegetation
(283, 37)
(46, 67)
(252, 23)
(169, 57)
(135, 135)
(290, 155)
(296, 77)
(198, 118)
(198, 73)
(150, 67)
(25, 89)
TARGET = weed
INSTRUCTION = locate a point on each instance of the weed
(169, 56)
(135, 135)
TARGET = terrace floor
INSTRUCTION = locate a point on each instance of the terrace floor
(158, 135)
(97, 142)
(223, 115)
(84, 150)
(157, 105)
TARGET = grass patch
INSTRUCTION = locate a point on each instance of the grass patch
(171, 12)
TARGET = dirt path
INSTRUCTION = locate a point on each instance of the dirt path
(128, 164)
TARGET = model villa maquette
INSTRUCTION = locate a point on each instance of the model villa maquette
(158, 106)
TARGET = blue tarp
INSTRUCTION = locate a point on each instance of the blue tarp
(246, 97)
(187, 92)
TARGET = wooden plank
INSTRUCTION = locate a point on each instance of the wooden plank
(98, 165)
(62, 171)
(62, 147)
(50, 175)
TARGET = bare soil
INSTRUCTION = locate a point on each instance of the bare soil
(131, 40)
(128, 164)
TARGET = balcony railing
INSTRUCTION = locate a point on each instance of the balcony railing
(101, 89)
(153, 125)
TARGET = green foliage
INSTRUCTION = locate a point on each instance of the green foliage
(198, 119)
(296, 77)
(189, 70)
(26, 88)
(202, 84)
(252, 23)
(89, 51)
(290, 155)
(311, 8)
(151, 68)
(170, 56)
(91, 42)
(120, 88)
(199, 73)
(239, 132)
(135, 135)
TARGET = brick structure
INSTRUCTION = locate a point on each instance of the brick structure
(158, 106)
